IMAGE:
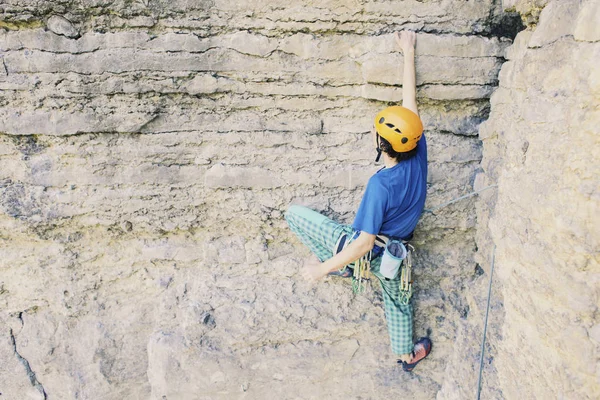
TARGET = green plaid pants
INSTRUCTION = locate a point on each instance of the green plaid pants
(320, 234)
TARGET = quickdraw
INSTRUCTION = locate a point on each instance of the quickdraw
(362, 273)
(406, 280)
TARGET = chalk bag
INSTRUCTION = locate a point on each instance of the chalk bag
(394, 253)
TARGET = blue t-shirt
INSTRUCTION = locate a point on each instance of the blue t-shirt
(395, 197)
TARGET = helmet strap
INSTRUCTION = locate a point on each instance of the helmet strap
(378, 149)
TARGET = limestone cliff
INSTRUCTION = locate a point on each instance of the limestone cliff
(149, 149)
(541, 148)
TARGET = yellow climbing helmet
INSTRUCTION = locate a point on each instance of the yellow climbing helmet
(399, 126)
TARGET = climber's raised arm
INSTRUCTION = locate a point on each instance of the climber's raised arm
(406, 40)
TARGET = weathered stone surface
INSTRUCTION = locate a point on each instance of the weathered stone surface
(104, 74)
(528, 9)
(62, 26)
(147, 162)
(22, 383)
(556, 21)
(540, 147)
(586, 26)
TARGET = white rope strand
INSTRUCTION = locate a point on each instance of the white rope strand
(431, 210)
(487, 312)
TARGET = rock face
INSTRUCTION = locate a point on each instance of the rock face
(61, 26)
(149, 150)
(541, 149)
(544, 128)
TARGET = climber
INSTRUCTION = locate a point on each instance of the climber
(390, 208)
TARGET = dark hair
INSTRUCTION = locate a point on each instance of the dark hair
(387, 147)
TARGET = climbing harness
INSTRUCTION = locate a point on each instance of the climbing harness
(359, 270)
(361, 273)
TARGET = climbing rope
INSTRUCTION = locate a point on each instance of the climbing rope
(487, 312)
(431, 210)
(361, 275)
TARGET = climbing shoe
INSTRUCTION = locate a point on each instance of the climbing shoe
(345, 272)
(421, 350)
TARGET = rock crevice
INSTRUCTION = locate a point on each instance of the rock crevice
(30, 373)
